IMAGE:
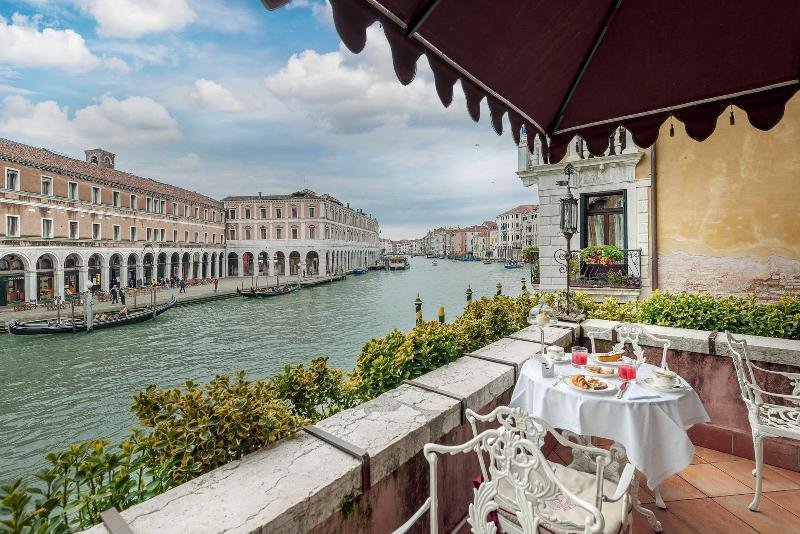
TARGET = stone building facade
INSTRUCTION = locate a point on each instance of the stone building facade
(71, 225)
(515, 228)
(719, 215)
(298, 234)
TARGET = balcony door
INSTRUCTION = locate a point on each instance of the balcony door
(604, 220)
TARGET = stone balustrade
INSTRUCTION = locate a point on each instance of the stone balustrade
(304, 484)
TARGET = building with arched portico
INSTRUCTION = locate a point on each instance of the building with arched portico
(69, 225)
(301, 234)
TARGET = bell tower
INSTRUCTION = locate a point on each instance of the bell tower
(98, 156)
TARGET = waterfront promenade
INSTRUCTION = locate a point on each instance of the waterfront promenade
(227, 286)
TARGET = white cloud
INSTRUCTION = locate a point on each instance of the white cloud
(23, 44)
(134, 18)
(189, 162)
(349, 93)
(210, 94)
(136, 119)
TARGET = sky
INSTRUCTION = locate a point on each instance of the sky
(225, 98)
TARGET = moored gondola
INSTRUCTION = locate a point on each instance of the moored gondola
(269, 292)
(101, 321)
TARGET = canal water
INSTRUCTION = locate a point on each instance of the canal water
(56, 390)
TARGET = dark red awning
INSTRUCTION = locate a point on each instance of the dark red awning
(586, 67)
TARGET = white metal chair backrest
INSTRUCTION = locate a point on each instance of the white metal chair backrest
(631, 333)
(744, 371)
(514, 420)
(529, 486)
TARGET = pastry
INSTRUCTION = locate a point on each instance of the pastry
(610, 357)
(583, 382)
(597, 369)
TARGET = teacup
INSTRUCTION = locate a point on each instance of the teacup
(555, 353)
(665, 378)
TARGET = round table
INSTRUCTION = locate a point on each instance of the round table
(648, 426)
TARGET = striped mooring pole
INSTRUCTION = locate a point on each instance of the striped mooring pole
(441, 314)
(469, 294)
(499, 287)
(524, 287)
(418, 308)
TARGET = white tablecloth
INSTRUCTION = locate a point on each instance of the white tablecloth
(653, 431)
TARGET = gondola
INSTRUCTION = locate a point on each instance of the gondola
(513, 265)
(268, 292)
(100, 322)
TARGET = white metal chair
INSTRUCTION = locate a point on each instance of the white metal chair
(766, 419)
(630, 333)
(527, 491)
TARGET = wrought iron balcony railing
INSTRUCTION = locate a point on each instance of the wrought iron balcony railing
(624, 273)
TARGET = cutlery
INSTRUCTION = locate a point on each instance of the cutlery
(558, 380)
(622, 389)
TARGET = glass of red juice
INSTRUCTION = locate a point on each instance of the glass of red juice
(627, 372)
(580, 356)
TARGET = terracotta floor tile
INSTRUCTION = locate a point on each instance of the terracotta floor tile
(669, 522)
(742, 470)
(791, 475)
(645, 496)
(712, 456)
(789, 500)
(676, 488)
(707, 517)
(712, 481)
(769, 518)
(697, 460)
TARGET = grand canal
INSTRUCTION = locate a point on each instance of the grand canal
(55, 390)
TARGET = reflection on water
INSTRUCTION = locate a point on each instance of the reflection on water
(55, 390)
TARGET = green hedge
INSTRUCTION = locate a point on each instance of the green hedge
(190, 430)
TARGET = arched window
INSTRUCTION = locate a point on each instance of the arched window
(263, 232)
(312, 232)
(93, 160)
(294, 232)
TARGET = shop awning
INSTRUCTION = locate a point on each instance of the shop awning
(586, 67)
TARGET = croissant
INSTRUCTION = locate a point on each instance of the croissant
(580, 381)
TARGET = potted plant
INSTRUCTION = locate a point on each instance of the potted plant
(598, 261)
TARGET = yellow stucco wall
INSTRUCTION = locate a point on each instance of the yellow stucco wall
(735, 194)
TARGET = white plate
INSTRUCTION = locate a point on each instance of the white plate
(678, 388)
(611, 387)
(600, 375)
(595, 361)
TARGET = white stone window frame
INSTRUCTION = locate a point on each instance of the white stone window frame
(47, 235)
(186, 236)
(174, 236)
(197, 237)
(18, 181)
(247, 213)
(98, 197)
(50, 185)
(77, 227)
(134, 200)
(197, 213)
(12, 234)
(97, 236)
(174, 209)
(116, 233)
(116, 198)
(77, 188)
(263, 212)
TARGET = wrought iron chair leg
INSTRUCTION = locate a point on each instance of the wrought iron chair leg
(659, 501)
(758, 441)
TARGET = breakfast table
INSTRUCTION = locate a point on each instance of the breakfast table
(648, 424)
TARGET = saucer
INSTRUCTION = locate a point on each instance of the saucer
(676, 388)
